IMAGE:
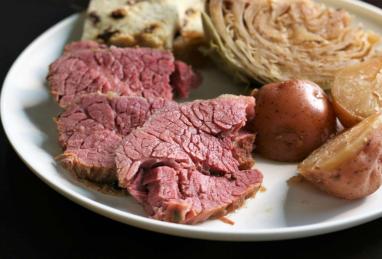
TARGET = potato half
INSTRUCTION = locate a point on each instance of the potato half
(357, 91)
(350, 165)
(293, 118)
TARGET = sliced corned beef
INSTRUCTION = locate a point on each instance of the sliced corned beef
(243, 146)
(184, 79)
(190, 196)
(189, 162)
(87, 67)
(92, 128)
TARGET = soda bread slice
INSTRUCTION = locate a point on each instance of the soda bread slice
(146, 23)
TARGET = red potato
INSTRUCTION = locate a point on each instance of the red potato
(293, 118)
(350, 165)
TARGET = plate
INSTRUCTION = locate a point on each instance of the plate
(281, 212)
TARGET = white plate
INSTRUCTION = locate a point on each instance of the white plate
(281, 212)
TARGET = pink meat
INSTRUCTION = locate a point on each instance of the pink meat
(92, 128)
(184, 79)
(184, 164)
(87, 67)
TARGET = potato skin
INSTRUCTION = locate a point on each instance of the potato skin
(357, 176)
(293, 118)
(355, 179)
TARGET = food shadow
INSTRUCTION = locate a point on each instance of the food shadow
(42, 116)
(306, 205)
(77, 29)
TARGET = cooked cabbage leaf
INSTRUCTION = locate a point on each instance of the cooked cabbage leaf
(276, 40)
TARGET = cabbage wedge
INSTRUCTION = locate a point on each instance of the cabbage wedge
(277, 40)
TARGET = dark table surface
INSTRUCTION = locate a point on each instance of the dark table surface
(37, 222)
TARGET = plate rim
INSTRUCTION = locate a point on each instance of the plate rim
(194, 231)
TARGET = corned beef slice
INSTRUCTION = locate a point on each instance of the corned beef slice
(87, 67)
(243, 145)
(182, 164)
(92, 128)
(184, 79)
